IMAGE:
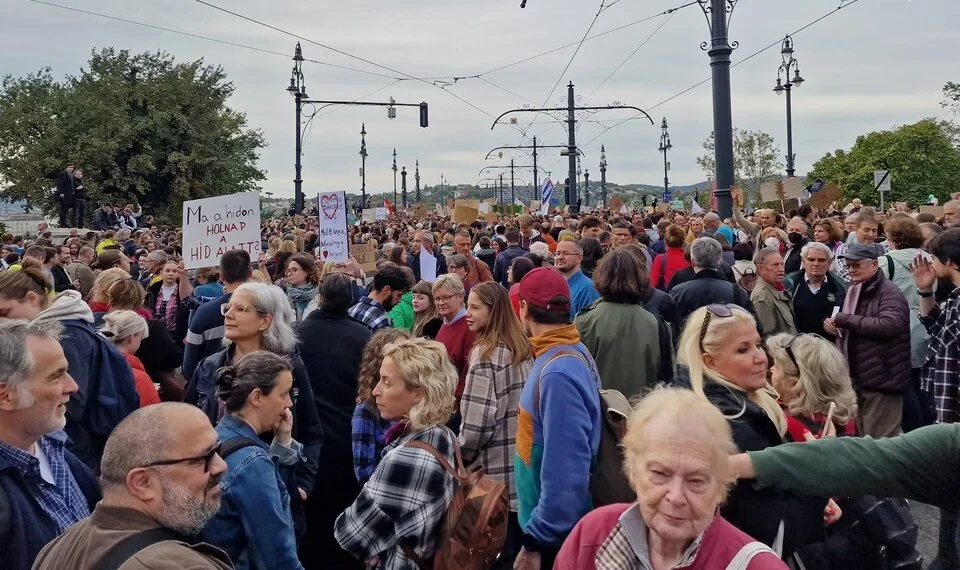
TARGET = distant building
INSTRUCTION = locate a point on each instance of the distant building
(22, 224)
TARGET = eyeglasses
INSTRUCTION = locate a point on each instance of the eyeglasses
(719, 311)
(207, 459)
(225, 308)
(444, 299)
(789, 352)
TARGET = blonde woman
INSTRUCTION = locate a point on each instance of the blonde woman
(407, 497)
(720, 358)
(676, 450)
(809, 374)
(99, 299)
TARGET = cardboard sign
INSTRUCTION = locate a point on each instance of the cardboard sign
(535, 205)
(420, 210)
(366, 256)
(823, 198)
(782, 189)
(485, 207)
(382, 213)
(935, 210)
(214, 226)
(615, 204)
(491, 201)
(465, 214)
(369, 215)
(334, 239)
(451, 203)
(491, 217)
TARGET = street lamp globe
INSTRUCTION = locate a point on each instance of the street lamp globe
(779, 87)
(797, 80)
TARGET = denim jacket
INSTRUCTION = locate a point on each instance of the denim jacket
(254, 525)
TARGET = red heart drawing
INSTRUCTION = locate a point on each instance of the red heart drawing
(330, 204)
(325, 254)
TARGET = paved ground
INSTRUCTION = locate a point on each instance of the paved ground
(929, 520)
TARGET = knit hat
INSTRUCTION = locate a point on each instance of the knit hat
(547, 289)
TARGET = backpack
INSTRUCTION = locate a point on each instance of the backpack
(608, 481)
(475, 525)
(661, 279)
(748, 280)
(111, 393)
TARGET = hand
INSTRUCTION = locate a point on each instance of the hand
(373, 561)
(831, 513)
(830, 430)
(527, 560)
(303, 494)
(737, 195)
(923, 274)
(830, 326)
(283, 429)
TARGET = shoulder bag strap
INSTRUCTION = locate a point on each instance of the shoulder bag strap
(890, 266)
(663, 271)
(746, 554)
(130, 546)
(536, 386)
(231, 445)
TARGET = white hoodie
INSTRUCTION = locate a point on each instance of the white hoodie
(67, 306)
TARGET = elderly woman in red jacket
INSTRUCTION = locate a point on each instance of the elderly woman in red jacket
(676, 449)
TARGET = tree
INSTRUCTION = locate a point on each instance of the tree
(921, 156)
(143, 128)
(755, 160)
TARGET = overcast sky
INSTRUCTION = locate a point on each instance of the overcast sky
(873, 65)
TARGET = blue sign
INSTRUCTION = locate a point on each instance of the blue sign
(667, 196)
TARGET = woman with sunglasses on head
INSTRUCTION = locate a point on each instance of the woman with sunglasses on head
(720, 358)
(301, 283)
(254, 524)
(258, 317)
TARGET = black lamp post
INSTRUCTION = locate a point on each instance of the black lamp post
(665, 145)
(416, 177)
(586, 187)
(363, 164)
(786, 53)
(298, 89)
(403, 185)
(395, 178)
(719, 48)
(603, 175)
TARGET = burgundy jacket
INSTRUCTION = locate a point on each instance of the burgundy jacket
(878, 346)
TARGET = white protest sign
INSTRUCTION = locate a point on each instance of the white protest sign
(370, 215)
(428, 267)
(334, 239)
(214, 226)
(382, 213)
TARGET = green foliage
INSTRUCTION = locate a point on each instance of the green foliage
(143, 128)
(951, 97)
(922, 157)
(755, 160)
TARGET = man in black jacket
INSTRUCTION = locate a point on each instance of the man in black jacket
(708, 286)
(331, 345)
(65, 194)
(501, 266)
(105, 219)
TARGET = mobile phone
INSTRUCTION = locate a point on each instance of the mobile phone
(826, 422)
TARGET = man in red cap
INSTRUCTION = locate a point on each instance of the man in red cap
(558, 427)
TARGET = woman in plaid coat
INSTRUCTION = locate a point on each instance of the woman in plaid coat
(403, 505)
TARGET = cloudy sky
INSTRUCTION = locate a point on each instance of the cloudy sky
(870, 66)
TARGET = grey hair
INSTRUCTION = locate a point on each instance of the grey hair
(257, 370)
(458, 260)
(761, 256)
(799, 220)
(271, 300)
(119, 325)
(15, 360)
(450, 282)
(540, 248)
(711, 217)
(816, 245)
(706, 253)
(427, 236)
(140, 439)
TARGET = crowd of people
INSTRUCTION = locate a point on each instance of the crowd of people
(652, 390)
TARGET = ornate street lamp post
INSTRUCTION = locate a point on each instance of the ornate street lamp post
(665, 145)
(786, 84)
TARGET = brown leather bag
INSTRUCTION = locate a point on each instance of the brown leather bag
(475, 526)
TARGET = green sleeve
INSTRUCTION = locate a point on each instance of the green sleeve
(921, 465)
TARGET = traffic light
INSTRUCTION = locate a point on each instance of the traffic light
(423, 115)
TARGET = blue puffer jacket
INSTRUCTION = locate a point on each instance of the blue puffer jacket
(254, 524)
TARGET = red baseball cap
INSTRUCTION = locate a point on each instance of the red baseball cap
(547, 289)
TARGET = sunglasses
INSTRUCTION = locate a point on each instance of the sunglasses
(207, 459)
(790, 354)
(716, 310)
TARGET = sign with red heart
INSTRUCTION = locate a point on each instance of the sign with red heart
(334, 237)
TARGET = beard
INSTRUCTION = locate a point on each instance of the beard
(183, 511)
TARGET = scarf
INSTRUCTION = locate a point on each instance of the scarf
(564, 336)
(395, 432)
(850, 308)
(300, 296)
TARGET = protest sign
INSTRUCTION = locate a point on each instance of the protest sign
(214, 226)
(382, 213)
(334, 239)
(825, 197)
(465, 214)
(935, 210)
(369, 215)
(485, 207)
(535, 205)
(677, 204)
(782, 189)
(366, 256)
(420, 210)
(428, 265)
(615, 204)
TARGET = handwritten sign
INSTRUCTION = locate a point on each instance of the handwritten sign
(214, 226)
(382, 213)
(782, 189)
(615, 204)
(366, 256)
(825, 197)
(369, 215)
(334, 239)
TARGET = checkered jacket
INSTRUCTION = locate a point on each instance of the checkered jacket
(940, 374)
(491, 398)
(406, 499)
(370, 313)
